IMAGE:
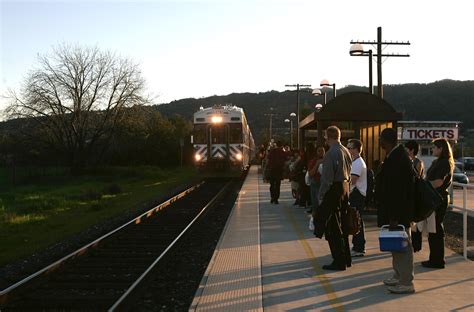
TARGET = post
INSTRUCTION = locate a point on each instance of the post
(379, 62)
(333, 90)
(291, 133)
(371, 87)
(464, 221)
(298, 113)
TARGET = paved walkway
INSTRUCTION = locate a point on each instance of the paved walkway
(272, 262)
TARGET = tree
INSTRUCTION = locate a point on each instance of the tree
(78, 95)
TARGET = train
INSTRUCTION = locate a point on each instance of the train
(222, 140)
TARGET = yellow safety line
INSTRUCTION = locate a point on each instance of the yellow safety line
(333, 299)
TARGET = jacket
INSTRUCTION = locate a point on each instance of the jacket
(394, 187)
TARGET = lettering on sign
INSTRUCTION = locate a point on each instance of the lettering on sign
(429, 133)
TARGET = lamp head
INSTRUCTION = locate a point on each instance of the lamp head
(287, 120)
(318, 107)
(317, 92)
(356, 49)
(324, 83)
(292, 115)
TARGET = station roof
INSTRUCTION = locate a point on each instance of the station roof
(353, 106)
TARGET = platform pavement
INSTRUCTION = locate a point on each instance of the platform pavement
(290, 264)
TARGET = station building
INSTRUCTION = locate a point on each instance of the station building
(363, 116)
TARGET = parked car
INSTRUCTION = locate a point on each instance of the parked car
(468, 162)
(459, 176)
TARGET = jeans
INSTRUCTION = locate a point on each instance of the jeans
(275, 188)
(357, 200)
(402, 263)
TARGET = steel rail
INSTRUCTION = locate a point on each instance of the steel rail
(143, 276)
(56, 264)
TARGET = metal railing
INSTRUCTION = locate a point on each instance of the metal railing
(465, 212)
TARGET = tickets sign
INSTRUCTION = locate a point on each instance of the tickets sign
(420, 133)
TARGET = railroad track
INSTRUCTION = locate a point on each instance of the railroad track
(106, 273)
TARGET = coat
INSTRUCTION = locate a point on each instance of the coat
(394, 187)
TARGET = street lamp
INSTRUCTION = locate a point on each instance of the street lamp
(325, 83)
(358, 50)
(298, 106)
(292, 116)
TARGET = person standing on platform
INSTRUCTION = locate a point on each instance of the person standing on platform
(412, 148)
(394, 195)
(334, 200)
(315, 175)
(358, 193)
(440, 174)
(276, 162)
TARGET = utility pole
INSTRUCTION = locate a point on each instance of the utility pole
(379, 55)
(271, 122)
(298, 107)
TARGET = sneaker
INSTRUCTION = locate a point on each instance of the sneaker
(391, 281)
(357, 253)
(401, 289)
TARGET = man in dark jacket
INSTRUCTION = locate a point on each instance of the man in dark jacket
(394, 195)
(334, 200)
(276, 163)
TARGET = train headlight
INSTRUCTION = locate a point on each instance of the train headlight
(197, 157)
(216, 119)
(238, 156)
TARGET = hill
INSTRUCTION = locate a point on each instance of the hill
(440, 100)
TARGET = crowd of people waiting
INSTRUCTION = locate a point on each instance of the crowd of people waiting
(328, 179)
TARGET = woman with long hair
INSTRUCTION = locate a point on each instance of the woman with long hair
(440, 175)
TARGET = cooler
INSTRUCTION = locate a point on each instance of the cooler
(393, 240)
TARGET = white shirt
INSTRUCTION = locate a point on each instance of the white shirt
(359, 169)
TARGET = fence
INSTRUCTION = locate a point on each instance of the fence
(465, 212)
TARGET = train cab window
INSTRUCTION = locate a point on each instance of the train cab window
(235, 133)
(218, 135)
(199, 134)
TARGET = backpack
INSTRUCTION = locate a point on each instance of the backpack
(369, 196)
(425, 198)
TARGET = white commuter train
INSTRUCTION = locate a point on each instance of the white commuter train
(222, 140)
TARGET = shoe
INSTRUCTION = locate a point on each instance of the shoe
(390, 281)
(296, 203)
(276, 202)
(401, 289)
(334, 267)
(429, 264)
(309, 210)
(272, 201)
(357, 253)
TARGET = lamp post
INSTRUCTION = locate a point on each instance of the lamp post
(319, 107)
(292, 116)
(298, 106)
(379, 55)
(325, 83)
(358, 50)
(291, 126)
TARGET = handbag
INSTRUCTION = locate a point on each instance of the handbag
(351, 221)
(307, 179)
(426, 199)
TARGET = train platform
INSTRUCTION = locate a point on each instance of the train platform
(267, 259)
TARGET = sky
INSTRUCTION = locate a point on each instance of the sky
(203, 48)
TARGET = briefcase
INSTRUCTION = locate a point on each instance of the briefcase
(393, 240)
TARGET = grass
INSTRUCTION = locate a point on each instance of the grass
(43, 210)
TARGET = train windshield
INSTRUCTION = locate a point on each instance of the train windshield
(235, 133)
(200, 134)
(218, 134)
